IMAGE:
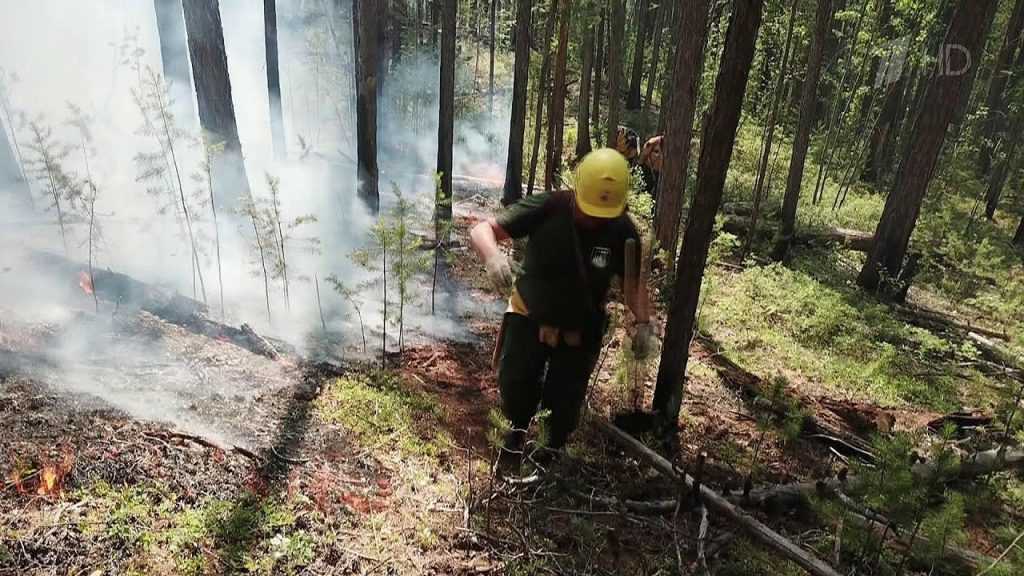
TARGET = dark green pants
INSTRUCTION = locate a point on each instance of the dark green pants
(532, 374)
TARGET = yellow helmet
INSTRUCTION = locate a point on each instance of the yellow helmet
(602, 183)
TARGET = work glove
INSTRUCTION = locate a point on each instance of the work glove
(644, 341)
(499, 272)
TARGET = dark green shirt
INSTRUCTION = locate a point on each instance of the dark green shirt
(551, 283)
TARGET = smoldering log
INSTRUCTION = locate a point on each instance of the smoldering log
(129, 294)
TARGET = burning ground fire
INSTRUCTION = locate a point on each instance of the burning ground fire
(48, 481)
(85, 282)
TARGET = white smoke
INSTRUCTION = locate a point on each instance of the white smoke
(72, 51)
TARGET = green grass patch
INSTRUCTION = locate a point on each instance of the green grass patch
(811, 323)
(147, 527)
(381, 412)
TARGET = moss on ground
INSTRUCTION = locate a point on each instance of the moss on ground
(381, 412)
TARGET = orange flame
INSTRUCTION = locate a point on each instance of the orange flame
(51, 478)
(85, 282)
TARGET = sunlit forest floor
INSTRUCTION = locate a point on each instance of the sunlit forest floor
(388, 472)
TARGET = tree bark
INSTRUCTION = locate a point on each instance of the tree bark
(542, 82)
(556, 109)
(1001, 171)
(691, 19)
(802, 140)
(616, 42)
(639, 51)
(917, 167)
(12, 179)
(1018, 238)
(366, 36)
(717, 145)
(583, 144)
(513, 189)
(446, 114)
(600, 60)
(170, 23)
(213, 92)
(274, 79)
(995, 100)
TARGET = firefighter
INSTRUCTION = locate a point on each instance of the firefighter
(651, 163)
(555, 322)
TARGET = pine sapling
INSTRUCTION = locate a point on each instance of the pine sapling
(281, 233)
(47, 166)
(260, 242)
(204, 179)
(155, 104)
(6, 80)
(353, 299)
(82, 123)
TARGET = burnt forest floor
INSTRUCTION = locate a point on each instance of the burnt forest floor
(322, 469)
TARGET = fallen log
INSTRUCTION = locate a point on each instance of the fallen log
(997, 353)
(855, 240)
(720, 505)
(932, 320)
(789, 496)
(753, 387)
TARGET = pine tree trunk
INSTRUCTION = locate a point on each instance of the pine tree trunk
(583, 144)
(917, 167)
(600, 61)
(716, 153)
(616, 42)
(435, 23)
(639, 51)
(446, 116)
(769, 137)
(12, 179)
(1018, 238)
(274, 79)
(213, 92)
(397, 17)
(995, 100)
(652, 74)
(1000, 172)
(490, 69)
(513, 189)
(679, 112)
(170, 23)
(802, 140)
(556, 109)
(542, 83)
(365, 34)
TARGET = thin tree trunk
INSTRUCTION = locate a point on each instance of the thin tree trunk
(679, 112)
(769, 137)
(1018, 238)
(170, 23)
(1001, 172)
(639, 51)
(12, 179)
(542, 82)
(616, 42)
(941, 101)
(274, 79)
(213, 91)
(366, 31)
(652, 75)
(446, 116)
(802, 140)
(715, 156)
(490, 69)
(513, 189)
(556, 109)
(600, 60)
(583, 144)
(995, 100)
